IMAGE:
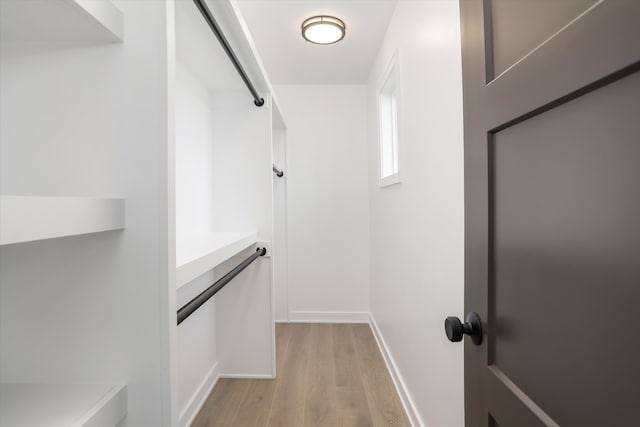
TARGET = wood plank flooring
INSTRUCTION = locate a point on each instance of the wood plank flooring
(329, 375)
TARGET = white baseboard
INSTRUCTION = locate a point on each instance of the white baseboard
(398, 381)
(249, 376)
(328, 317)
(188, 414)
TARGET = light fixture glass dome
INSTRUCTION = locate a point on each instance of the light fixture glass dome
(323, 29)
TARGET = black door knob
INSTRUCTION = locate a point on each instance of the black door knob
(455, 329)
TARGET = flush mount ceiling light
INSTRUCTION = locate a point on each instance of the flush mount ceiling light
(323, 29)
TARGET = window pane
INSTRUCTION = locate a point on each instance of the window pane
(388, 124)
(394, 131)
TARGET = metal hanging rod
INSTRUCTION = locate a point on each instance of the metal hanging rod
(188, 309)
(278, 172)
(206, 14)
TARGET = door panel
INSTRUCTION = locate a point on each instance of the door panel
(565, 257)
(602, 42)
(552, 201)
(518, 27)
(510, 404)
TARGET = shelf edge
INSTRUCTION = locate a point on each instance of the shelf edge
(105, 14)
(190, 270)
(26, 219)
(109, 410)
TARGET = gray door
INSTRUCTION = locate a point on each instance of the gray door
(552, 201)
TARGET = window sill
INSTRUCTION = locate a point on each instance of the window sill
(390, 180)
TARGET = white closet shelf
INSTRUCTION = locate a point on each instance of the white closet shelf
(195, 255)
(26, 218)
(72, 405)
(61, 21)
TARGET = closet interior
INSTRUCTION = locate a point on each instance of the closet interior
(62, 174)
(224, 203)
(136, 170)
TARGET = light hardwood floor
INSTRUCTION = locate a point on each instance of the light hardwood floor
(329, 375)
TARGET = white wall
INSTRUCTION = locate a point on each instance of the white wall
(194, 154)
(280, 251)
(328, 210)
(84, 119)
(417, 230)
(243, 186)
(197, 367)
(243, 200)
(196, 355)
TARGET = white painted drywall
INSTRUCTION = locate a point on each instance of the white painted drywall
(243, 201)
(195, 338)
(196, 356)
(243, 187)
(194, 153)
(327, 197)
(280, 251)
(90, 120)
(417, 229)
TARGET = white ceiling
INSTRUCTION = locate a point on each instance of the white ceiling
(289, 59)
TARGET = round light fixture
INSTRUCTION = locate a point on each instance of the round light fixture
(323, 29)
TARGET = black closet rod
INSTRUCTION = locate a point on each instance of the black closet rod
(206, 14)
(188, 309)
(278, 172)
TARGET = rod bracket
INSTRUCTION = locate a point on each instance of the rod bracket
(266, 246)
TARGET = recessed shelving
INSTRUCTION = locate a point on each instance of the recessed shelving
(69, 405)
(26, 218)
(60, 21)
(196, 255)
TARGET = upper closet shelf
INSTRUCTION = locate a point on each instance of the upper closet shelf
(24, 218)
(72, 405)
(196, 255)
(60, 21)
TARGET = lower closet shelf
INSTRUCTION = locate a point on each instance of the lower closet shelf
(195, 255)
(62, 405)
(27, 218)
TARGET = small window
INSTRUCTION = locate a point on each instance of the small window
(388, 124)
